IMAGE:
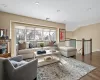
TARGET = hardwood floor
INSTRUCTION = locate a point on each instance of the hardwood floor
(93, 60)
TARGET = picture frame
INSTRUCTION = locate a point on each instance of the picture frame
(62, 35)
(1, 32)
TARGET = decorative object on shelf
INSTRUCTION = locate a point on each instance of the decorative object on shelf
(62, 34)
(4, 44)
(7, 37)
(3, 32)
(3, 51)
(42, 45)
(3, 48)
(3, 37)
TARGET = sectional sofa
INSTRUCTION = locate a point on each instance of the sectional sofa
(29, 52)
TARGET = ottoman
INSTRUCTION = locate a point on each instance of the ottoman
(68, 51)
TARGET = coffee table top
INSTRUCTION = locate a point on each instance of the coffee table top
(48, 53)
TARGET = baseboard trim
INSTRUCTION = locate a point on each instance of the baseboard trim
(95, 50)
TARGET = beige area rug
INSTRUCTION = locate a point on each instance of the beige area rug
(67, 69)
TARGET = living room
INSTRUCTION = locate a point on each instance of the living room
(45, 35)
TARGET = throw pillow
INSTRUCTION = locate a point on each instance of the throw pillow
(14, 63)
(17, 64)
(27, 45)
(22, 45)
(21, 63)
(31, 45)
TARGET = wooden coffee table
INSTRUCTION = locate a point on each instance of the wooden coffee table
(41, 57)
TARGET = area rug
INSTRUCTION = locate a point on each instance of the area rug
(67, 69)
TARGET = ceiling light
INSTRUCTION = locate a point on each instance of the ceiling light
(37, 3)
(4, 5)
(47, 18)
(64, 21)
(58, 10)
(89, 9)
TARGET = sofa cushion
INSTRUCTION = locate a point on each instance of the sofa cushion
(64, 48)
(31, 45)
(27, 45)
(26, 51)
(17, 64)
(22, 45)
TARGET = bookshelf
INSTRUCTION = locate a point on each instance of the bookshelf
(5, 45)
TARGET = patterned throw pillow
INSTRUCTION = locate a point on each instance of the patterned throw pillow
(22, 45)
(17, 64)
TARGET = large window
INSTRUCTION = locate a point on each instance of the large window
(30, 34)
(20, 34)
(53, 35)
(36, 34)
(46, 34)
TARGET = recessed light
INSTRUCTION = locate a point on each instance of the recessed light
(37, 3)
(4, 5)
(64, 21)
(89, 9)
(58, 10)
(47, 18)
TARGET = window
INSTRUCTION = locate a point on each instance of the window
(35, 34)
(38, 34)
(30, 34)
(46, 34)
(20, 34)
(53, 35)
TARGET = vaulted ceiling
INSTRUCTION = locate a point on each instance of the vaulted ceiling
(73, 13)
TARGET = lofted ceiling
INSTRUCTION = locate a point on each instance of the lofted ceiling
(73, 13)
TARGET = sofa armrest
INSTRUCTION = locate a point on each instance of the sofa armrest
(17, 58)
(26, 72)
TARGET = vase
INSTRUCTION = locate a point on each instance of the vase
(41, 48)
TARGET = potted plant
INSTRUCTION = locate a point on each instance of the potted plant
(42, 45)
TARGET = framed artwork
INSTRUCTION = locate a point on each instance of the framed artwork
(3, 32)
(62, 34)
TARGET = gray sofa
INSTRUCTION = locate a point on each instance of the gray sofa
(26, 71)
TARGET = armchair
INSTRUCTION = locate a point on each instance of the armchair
(26, 71)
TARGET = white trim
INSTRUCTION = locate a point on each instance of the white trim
(96, 50)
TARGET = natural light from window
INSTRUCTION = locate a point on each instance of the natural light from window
(35, 34)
